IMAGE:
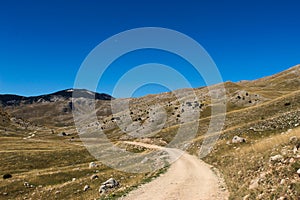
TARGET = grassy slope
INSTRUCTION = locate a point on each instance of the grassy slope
(52, 161)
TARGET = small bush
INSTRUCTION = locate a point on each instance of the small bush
(6, 176)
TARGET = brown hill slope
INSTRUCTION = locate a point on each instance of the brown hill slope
(261, 111)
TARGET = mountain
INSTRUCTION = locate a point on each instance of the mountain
(13, 100)
(53, 109)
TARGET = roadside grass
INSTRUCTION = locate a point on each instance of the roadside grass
(51, 164)
(242, 164)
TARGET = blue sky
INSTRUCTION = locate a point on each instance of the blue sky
(43, 43)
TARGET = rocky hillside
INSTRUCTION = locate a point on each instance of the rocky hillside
(261, 118)
(52, 109)
(4, 118)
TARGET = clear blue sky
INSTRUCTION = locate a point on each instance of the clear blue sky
(43, 43)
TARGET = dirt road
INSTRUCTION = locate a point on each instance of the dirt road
(187, 178)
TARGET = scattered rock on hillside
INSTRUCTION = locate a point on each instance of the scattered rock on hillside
(63, 134)
(293, 140)
(276, 158)
(282, 198)
(92, 165)
(102, 189)
(94, 176)
(86, 187)
(295, 149)
(27, 185)
(110, 183)
(237, 139)
(298, 172)
(246, 197)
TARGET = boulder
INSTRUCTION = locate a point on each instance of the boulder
(86, 187)
(94, 176)
(102, 189)
(92, 165)
(276, 158)
(26, 184)
(111, 183)
(237, 139)
(293, 140)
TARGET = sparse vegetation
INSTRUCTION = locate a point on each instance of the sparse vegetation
(265, 113)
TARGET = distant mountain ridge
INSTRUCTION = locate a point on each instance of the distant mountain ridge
(11, 99)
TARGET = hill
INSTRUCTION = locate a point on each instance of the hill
(264, 112)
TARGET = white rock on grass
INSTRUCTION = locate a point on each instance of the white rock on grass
(298, 171)
(86, 187)
(110, 183)
(237, 139)
(102, 189)
(92, 165)
(295, 149)
(246, 197)
(94, 176)
(276, 158)
(282, 181)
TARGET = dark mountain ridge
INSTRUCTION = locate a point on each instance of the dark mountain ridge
(11, 99)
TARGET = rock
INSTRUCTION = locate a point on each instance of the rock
(144, 160)
(292, 160)
(26, 184)
(276, 158)
(73, 179)
(92, 165)
(7, 176)
(57, 192)
(254, 184)
(282, 198)
(86, 187)
(262, 176)
(260, 196)
(282, 181)
(298, 172)
(246, 197)
(293, 140)
(111, 183)
(94, 176)
(102, 189)
(295, 149)
(237, 139)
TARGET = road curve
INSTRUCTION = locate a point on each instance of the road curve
(187, 178)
